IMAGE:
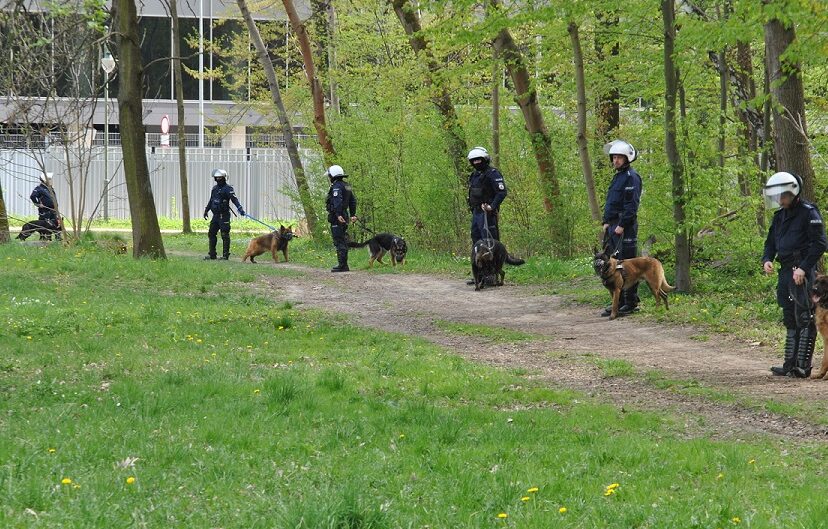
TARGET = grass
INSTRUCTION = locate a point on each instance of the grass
(494, 334)
(611, 367)
(167, 394)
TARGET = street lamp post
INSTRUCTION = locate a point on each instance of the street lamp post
(108, 66)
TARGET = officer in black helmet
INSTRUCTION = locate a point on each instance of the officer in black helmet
(797, 240)
(340, 202)
(219, 204)
(620, 221)
(486, 192)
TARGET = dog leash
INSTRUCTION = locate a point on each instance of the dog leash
(608, 237)
(364, 227)
(802, 308)
(486, 231)
(260, 222)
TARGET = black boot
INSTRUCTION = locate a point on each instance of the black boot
(342, 256)
(805, 352)
(790, 354)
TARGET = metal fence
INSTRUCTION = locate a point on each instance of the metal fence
(263, 180)
(153, 139)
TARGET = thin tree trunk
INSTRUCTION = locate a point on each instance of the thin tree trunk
(723, 82)
(441, 97)
(671, 148)
(182, 133)
(527, 100)
(497, 80)
(608, 112)
(583, 147)
(790, 131)
(287, 130)
(4, 220)
(334, 96)
(146, 234)
(317, 93)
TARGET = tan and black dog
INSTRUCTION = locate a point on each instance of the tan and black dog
(383, 243)
(487, 260)
(819, 295)
(275, 241)
(616, 278)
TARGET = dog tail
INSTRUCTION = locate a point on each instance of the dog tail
(516, 261)
(352, 244)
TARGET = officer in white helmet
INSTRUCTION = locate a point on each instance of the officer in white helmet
(43, 196)
(797, 240)
(486, 192)
(219, 205)
(620, 220)
(341, 206)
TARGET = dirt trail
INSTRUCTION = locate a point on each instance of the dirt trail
(568, 334)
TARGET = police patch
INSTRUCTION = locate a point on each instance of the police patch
(501, 186)
(336, 193)
(816, 221)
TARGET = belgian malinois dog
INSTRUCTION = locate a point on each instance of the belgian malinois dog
(819, 295)
(487, 259)
(618, 277)
(275, 241)
(383, 243)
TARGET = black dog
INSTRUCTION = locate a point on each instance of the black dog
(487, 260)
(45, 227)
(381, 243)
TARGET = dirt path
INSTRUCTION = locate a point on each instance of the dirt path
(568, 336)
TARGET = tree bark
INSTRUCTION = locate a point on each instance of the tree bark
(583, 147)
(182, 134)
(609, 110)
(146, 234)
(287, 130)
(4, 220)
(671, 148)
(790, 139)
(331, 29)
(527, 100)
(497, 80)
(317, 93)
(441, 97)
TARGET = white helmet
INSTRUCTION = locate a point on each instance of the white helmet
(219, 173)
(780, 183)
(336, 171)
(479, 152)
(46, 178)
(621, 147)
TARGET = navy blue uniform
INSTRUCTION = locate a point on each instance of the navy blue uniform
(621, 209)
(340, 201)
(486, 186)
(44, 199)
(796, 239)
(219, 205)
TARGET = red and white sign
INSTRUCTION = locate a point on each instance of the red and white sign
(165, 131)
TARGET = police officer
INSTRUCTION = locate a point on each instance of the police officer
(43, 196)
(219, 204)
(486, 192)
(620, 222)
(797, 240)
(340, 201)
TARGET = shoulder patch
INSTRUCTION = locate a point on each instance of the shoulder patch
(500, 186)
(816, 221)
(336, 192)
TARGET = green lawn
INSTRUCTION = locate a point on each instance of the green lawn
(166, 394)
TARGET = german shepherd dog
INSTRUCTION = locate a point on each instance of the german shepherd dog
(46, 228)
(487, 259)
(819, 295)
(631, 271)
(275, 241)
(383, 243)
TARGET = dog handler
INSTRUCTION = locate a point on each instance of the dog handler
(486, 192)
(340, 200)
(797, 240)
(219, 204)
(620, 223)
(43, 196)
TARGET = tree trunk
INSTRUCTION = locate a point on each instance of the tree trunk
(4, 220)
(146, 234)
(287, 130)
(441, 97)
(182, 134)
(331, 26)
(789, 129)
(723, 82)
(497, 80)
(527, 99)
(671, 148)
(317, 94)
(583, 147)
(608, 112)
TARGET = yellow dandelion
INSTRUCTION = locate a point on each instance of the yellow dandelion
(736, 520)
(613, 486)
(28, 337)
(51, 450)
(75, 486)
(562, 510)
(256, 391)
(525, 498)
(752, 461)
(281, 327)
(609, 492)
(533, 489)
(402, 436)
(720, 476)
(66, 481)
(130, 480)
(502, 515)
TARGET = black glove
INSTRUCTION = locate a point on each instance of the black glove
(242, 213)
(205, 215)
